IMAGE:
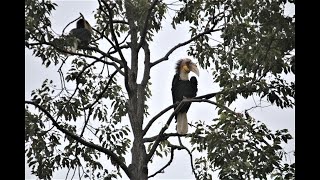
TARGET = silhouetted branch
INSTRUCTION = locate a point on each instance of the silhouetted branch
(165, 136)
(69, 24)
(165, 166)
(207, 96)
(166, 57)
(146, 72)
(103, 91)
(108, 55)
(174, 147)
(110, 153)
(63, 84)
(158, 139)
(121, 47)
(84, 55)
(191, 161)
(157, 116)
(117, 47)
(143, 34)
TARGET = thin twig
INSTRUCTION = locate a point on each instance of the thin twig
(79, 173)
(165, 166)
(165, 136)
(74, 172)
(69, 24)
(166, 57)
(68, 173)
(156, 117)
(103, 91)
(179, 139)
(143, 34)
(63, 84)
(117, 47)
(190, 154)
(191, 162)
(121, 47)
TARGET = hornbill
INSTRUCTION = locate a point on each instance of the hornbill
(82, 32)
(181, 88)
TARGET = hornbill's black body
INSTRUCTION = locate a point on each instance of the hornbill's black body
(182, 88)
(83, 32)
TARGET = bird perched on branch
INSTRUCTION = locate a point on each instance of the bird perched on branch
(182, 88)
(83, 33)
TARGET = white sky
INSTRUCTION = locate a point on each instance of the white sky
(274, 117)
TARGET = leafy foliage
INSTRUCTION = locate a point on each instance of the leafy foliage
(258, 44)
(242, 148)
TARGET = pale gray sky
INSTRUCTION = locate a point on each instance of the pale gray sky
(161, 78)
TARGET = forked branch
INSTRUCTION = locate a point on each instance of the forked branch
(174, 147)
(165, 166)
(206, 96)
(160, 134)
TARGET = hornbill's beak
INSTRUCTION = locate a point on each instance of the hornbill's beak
(193, 67)
(88, 26)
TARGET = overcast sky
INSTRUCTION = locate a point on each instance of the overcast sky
(161, 78)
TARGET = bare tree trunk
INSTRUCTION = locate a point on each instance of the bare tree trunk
(138, 167)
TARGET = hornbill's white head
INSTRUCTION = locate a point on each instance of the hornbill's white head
(184, 66)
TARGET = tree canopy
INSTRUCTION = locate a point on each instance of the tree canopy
(98, 111)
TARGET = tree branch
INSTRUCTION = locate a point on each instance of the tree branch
(121, 47)
(146, 73)
(79, 54)
(169, 162)
(69, 24)
(166, 57)
(165, 136)
(84, 55)
(117, 47)
(157, 116)
(61, 50)
(104, 54)
(191, 158)
(174, 147)
(207, 96)
(158, 139)
(108, 152)
(102, 92)
(146, 23)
